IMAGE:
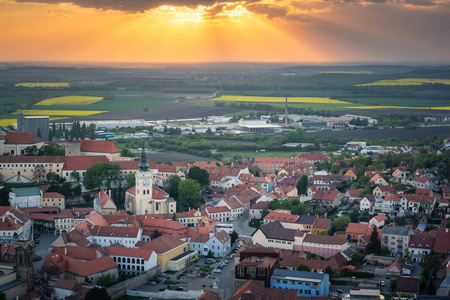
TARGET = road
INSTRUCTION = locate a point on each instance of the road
(241, 227)
(42, 248)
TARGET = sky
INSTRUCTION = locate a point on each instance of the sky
(190, 31)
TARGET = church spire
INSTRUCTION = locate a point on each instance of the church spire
(143, 166)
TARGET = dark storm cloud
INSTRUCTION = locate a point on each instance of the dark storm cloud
(131, 5)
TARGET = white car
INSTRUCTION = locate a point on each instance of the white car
(217, 271)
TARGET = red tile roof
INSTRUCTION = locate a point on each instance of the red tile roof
(282, 217)
(81, 163)
(356, 228)
(167, 168)
(79, 267)
(52, 195)
(39, 216)
(323, 239)
(22, 138)
(31, 159)
(98, 146)
(222, 236)
(131, 252)
(163, 244)
(322, 223)
(65, 213)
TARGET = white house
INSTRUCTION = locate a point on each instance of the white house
(378, 220)
(133, 261)
(219, 244)
(366, 203)
(220, 213)
(14, 224)
(236, 208)
(25, 197)
(110, 235)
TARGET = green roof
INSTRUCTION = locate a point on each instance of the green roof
(26, 191)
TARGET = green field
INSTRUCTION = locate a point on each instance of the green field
(406, 81)
(407, 102)
(290, 93)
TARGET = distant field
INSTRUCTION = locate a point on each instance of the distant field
(6, 122)
(70, 100)
(404, 107)
(42, 84)
(424, 103)
(407, 81)
(290, 93)
(61, 113)
(346, 72)
(279, 99)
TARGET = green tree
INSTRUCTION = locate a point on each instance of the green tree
(385, 251)
(198, 174)
(75, 175)
(174, 185)
(189, 194)
(374, 243)
(107, 280)
(155, 234)
(51, 150)
(234, 236)
(130, 180)
(356, 258)
(303, 267)
(342, 221)
(329, 271)
(125, 152)
(302, 185)
(101, 173)
(97, 293)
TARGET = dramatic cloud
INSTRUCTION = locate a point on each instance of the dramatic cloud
(132, 5)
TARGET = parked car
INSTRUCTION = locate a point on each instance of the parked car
(220, 267)
(382, 283)
(162, 289)
(217, 271)
(36, 241)
(339, 291)
(179, 289)
(162, 275)
(152, 283)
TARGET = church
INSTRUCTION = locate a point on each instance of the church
(145, 197)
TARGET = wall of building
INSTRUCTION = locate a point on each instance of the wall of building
(119, 290)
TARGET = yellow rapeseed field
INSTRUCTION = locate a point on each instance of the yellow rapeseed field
(70, 100)
(279, 99)
(67, 113)
(6, 122)
(346, 72)
(407, 81)
(42, 84)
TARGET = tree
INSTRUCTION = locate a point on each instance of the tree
(31, 151)
(374, 243)
(107, 280)
(130, 180)
(302, 185)
(234, 236)
(174, 185)
(210, 254)
(342, 221)
(303, 267)
(53, 177)
(155, 234)
(189, 194)
(385, 251)
(100, 173)
(51, 150)
(265, 212)
(329, 271)
(198, 174)
(39, 173)
(357, 258)
(97, 293)
(125, 152)
(48, 271)
(75, 175)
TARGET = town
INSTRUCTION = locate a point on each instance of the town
(81, 216)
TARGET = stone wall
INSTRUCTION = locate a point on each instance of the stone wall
(119, 290)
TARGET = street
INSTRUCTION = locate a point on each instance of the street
(42, 248)
(241, 227)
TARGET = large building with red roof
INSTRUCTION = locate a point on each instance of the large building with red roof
(16, 143)
(91, 148)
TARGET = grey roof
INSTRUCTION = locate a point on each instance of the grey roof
(275, 230)
(11, 284)
(26, 191)
(305, 219)
(298, 274)
(396, 230)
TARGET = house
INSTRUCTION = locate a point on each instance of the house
(396, 238)
(355, 230)
(92, 148)
(132, 261)
(381, 190)
(322, 226)
(274, 235)
(307, 284)
(441, 246)
(25, 197)
(363, 239)
(78, 165)
(43, 222)
(378, 220)
(16, 143)
(63, 221)
(400, 175)
(313, 158)
(407, 286)
(327, 199)
(422, 183)
(325, 246)
(53, 199)
(103, 203)
(82, 270)
(221, 213)
(235, 207)
(307, 222)
(110, 235)
(352, 173)
(256, 264)
(190, 218)
(65, 288)
(257, 208)
(353, 194)
(14, 225)
(277, 215)
(219, 244)
(367, 203)
(254, 291)
(408, 267)
(395, 269)
(377, 179)
(172, 253)
(273, 164)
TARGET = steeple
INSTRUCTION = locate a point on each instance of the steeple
(143, 166)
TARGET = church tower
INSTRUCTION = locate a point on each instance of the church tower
(24, 262)
(143, 202)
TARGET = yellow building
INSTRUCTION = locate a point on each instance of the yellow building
(23, 169)
(53, 199)
(171, 252)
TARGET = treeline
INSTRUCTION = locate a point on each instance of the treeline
(271, 108)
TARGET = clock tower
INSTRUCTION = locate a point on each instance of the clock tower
(143, 202)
